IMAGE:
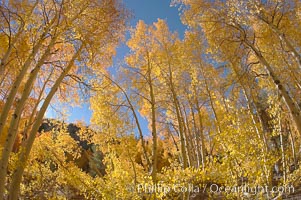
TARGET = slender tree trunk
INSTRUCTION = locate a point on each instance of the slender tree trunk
(250, 108)
(3, 61)
(193, 145)
(263, 137)
(20, 77)
(154, 129)
(13, 128)
(198, 149)
(201, 130)
(189, 141)
(283, 157)
(12, 42)
(179, 118)
(34, 110)
(292, 107)
(181, 130)
(295, 160)
(284, 39)
(23, 157)
(216, 119)
(136, 120)
(173, 138)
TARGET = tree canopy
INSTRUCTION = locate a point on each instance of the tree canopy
(222, 104)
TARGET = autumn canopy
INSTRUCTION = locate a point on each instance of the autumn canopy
(222, 104)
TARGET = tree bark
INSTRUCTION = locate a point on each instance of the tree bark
(198, 149)
(154, 129)
(20, 77)
(12, 43)
(201, 131)
(284, 39)
(23, 157)
(292, 107)
(136, 120)
(13, 128)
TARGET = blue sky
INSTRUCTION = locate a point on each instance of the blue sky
(148, 11)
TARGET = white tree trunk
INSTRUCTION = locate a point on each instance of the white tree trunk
(17, 176)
